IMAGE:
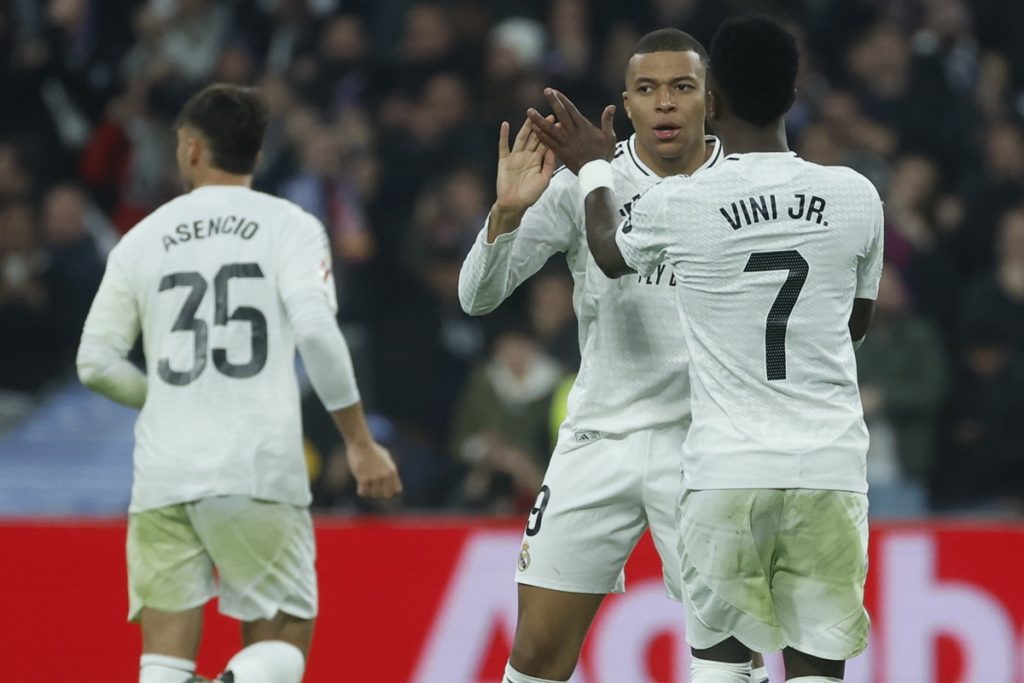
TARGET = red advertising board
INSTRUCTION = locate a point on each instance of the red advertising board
(432, 601)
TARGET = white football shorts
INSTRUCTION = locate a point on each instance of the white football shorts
(600, 494)
(776, 568)
(264, 554)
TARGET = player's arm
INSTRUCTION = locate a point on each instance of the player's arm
(860, 319)
(869, 270)
(110, 331)
(529, 222)
(307, 292)
(586, 150)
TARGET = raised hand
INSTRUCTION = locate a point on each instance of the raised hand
(574, 139)
(525, 171)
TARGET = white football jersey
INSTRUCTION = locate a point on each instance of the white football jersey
(769, 252)
(633, 358)
(207, 279)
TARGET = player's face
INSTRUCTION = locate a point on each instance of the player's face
(664, 98)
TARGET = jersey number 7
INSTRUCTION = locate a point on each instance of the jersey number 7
(778, 314)
(187, 320)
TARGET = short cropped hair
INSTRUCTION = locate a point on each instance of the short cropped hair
(233, 120)
(670, 40)
(754, 64)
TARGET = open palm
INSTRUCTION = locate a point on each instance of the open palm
(524, 171)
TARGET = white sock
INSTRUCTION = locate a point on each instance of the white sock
(268, 661)
(708, 671)
(759, 675)
(513, 676)
(815, 679)
(164, 669)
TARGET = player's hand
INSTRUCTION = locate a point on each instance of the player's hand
(574, 139)
(374, 470)
(525, 171)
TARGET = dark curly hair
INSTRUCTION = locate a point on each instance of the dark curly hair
(754, 63)
(233, 120)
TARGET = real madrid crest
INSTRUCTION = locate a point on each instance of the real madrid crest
(524, 557)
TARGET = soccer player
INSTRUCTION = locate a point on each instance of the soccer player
(615, 468)
(777, 262)
(224, 283)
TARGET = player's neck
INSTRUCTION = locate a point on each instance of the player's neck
(740, 137)
(687, 164)
(215, 176)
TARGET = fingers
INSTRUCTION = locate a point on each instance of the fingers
(547, 166)
(385, 485)
(558, 106)
(502, 142)
(573, 112)
(608, 121)
(546, 131)
(522, 136)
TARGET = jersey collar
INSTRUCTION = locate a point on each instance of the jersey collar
(716, 155)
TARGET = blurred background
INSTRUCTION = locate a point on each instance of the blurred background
(385, 116)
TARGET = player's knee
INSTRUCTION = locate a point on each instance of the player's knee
(709, 671)
(550, 658)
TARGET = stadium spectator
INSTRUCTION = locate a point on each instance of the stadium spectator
(500, 428)
(383, 120)
(903, 381)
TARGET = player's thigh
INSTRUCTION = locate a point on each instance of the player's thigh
(265, 556)
(726, 544)
(663, 486)
(168, 567)
(587, 518)
(821, 567)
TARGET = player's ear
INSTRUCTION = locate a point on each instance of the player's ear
(625, 104)
(195, 150)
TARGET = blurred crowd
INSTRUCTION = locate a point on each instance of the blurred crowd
(385, 117)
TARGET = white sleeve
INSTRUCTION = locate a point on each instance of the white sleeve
(869, 268)
(110, 331)
(644, 238)
(492, 271)
(306, 288)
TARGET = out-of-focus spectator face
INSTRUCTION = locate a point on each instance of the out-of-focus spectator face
(428, 33)
(14, 181)
(66, 13)
(569, 17)
(881, 60)
(819, 146)
(235, 65)
(892, 301)
(914, 182)
(64, 215)
(343, 40)
(17, 229)
(465, 196)
(986, 357)
(948, 19)
(516, 351)
(664, 98)
(516, 47)
(446, 99)
(321, 154)
(550, 304)
(1004, 150)
(1011, 238)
